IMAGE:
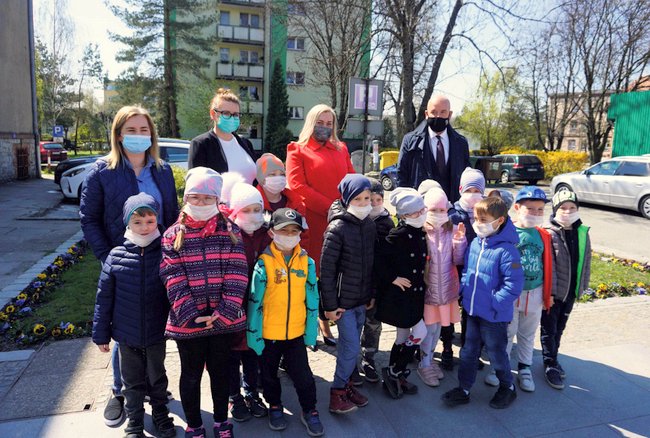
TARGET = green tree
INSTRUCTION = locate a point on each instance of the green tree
(136, 89)
(91, 69)
(168, 36)
(277, 134)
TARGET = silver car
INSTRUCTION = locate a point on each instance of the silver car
(620, 182)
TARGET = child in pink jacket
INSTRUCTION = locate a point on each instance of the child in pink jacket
(446, 244)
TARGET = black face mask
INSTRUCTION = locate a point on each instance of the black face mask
(437, 124)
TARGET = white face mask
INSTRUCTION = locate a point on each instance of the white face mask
(360, 212)
(530, 221)
(286, 243)
(275, 184)
(416, 222)
(437, 219)
(468, 200)
(376, 210)
(201, 212)
(250, 222)
(566, 219)
(139, 239)
(484, 230)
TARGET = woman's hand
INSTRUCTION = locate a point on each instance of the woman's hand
(460, 232)
(104, 348)
(402, 283)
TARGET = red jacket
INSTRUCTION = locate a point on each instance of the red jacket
(295, 202)
(314, 172)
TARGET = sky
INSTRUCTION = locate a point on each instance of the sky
(92, 20)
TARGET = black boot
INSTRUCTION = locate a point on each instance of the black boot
(403, 360)
(163, 423)
(390, 375)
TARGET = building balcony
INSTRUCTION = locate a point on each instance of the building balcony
(251, 107)
(241, 34)
(254, 3)
(240, 71)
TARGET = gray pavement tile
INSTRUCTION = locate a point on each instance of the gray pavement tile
(23, 428)
(600, 431)
(6, 356)
(633, 427)
(66, 357)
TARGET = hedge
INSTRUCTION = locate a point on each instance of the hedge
(556, 162)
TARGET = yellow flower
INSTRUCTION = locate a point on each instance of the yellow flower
(3, 316)
(39, 329)
(56, 332)
(69, 329)
(35, 296)
(22, 296)
(635, 265)
(640, 284)
(10, 308)
(602, 286)
(41, 276)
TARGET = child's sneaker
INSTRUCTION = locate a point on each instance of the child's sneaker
(429, 376)
(355, 396)
(491, 378)
(370, 372)
(134, 429)
(340, 403)
(223, 430)
(525, 379)
(391, 383)
(447, 360)
(238, 409)
(553, 377)
(560, 369)
(114, 410)
(195, 432)
(436, 368)
(256, 406)
(311, 420)
(503, 397)
(277, 421)
(455, 397)
(163, 423)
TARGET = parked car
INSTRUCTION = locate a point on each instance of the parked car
(521, 167)
(174, 151)
(620, 182)
(56, 152)
(388, 177)
(70, 163)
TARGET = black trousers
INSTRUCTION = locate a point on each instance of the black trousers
(143, 372)
(213, 354)
(250, 367)
(295, 356)
(553, 324)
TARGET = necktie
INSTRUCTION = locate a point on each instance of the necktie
(440, 157)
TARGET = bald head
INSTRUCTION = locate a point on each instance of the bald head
(438, 106)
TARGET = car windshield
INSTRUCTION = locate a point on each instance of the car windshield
(52, 146)
(529, 159)
(605, 168)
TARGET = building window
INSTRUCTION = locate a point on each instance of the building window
(249, 93)
(296, 112)
(254, 58)
(224, 18)
(249, 20)
(573, 127)
(295, 78)
(295, 8)
(224, 54)
(249, 57)
(295, 43)
(243, 56)
(572, 145)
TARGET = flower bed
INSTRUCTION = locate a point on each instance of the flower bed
(620, 288)
(36, 294)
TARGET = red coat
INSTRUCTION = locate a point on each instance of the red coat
(295, 202)
(314, 172)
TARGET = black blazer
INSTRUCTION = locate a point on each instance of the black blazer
(206, 151)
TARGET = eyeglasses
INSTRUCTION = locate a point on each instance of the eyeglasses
(226, 114)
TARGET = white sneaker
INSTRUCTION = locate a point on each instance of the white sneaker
(525, 379)
(491, 378)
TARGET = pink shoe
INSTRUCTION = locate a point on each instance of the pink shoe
(428, 376)
(439, 374)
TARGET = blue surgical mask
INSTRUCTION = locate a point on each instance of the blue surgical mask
(228, 125)
(136, 143)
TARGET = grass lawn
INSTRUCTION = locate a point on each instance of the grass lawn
(607, 272)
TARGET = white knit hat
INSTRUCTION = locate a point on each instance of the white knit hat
(242, 195)
(202, 181)
(229, 181)
(436, 198)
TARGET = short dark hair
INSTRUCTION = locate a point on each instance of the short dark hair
(492, 206)
(144, 211)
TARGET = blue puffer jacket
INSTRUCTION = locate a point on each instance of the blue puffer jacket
(103, 196)
(131, 305)
(493, 277)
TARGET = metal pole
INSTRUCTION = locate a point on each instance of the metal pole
(365, 126)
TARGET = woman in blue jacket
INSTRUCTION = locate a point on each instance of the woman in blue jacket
(132, 166)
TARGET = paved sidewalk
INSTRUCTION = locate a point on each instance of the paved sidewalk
(606, 353)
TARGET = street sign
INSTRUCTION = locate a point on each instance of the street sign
(57, 131)
(374, 127)
(357, 99)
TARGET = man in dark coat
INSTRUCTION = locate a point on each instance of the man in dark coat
(422, 150)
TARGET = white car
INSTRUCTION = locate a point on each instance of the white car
(622, 182)
(173, 151)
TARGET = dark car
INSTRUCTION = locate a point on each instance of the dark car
(55, 151)
(388, 177)
(521, 167)
(70, 163)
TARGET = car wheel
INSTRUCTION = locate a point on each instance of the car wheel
(561, 187)
(505, 177)
(387, 183)
(644, 207)
(533, 182)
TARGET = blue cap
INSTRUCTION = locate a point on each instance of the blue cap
(351, 185)
(141, 200)
(533, 193)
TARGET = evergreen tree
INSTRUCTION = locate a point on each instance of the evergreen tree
(168, 36)
(277, 118)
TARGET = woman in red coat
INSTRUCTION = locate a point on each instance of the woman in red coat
(316, 164)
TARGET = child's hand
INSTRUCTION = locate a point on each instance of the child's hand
(104, 348)
(402, 283)
(334, 315)
(371, 304)
(208, 320)
(460, 232)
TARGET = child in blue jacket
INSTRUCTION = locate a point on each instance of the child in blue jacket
(492, 280)
(132, 308)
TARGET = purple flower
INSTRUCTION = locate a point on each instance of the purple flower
(25, 310)
(20, 303)
(641, 291)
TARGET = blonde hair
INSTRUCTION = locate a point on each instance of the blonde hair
(116, 155)
(310, 123)
(180, 236)
(223, 94)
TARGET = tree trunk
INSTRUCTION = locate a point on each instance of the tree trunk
(170, 91)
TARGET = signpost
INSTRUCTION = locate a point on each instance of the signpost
(366, 97)
(57, 133)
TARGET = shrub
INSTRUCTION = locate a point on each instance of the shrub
(179, 182)
(555, 162)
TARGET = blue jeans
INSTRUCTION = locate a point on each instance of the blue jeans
(495, 338)
(117, 375)
(348, 347)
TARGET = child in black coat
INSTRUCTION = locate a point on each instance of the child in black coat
(400, 287)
